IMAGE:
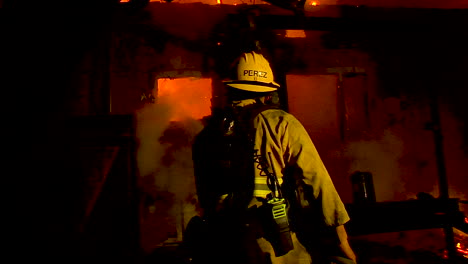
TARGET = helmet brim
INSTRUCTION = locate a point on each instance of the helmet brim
(253, 86)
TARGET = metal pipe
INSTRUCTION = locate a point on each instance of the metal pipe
(441, 170)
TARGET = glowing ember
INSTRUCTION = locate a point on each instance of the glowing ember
(462, 249)
(461, 240)
(314, 3)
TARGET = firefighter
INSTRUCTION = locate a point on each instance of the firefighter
(265, 193)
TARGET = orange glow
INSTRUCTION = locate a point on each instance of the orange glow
(461, 243)
(295, 33)
(466, 220)
(124, 1)
(188, 97)
(463, 252)
(218, 1)
(462, 249)
(314, 3)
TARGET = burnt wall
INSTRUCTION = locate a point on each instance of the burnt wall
(43, 48)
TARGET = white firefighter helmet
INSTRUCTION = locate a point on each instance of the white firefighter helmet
(253, 73)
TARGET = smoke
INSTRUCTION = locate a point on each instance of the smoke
(381, 158)
(152, 120)
(164, 159)
(453, 192)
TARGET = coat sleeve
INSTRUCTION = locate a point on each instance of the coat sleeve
(310, 172)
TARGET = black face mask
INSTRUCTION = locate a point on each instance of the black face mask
(228, 121)
(235, 119)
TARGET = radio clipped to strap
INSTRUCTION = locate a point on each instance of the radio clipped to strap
(280, 235)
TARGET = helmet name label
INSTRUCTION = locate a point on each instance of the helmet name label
(255, 73)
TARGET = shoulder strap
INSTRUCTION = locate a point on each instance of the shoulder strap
(248, 114)
(262, 162)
